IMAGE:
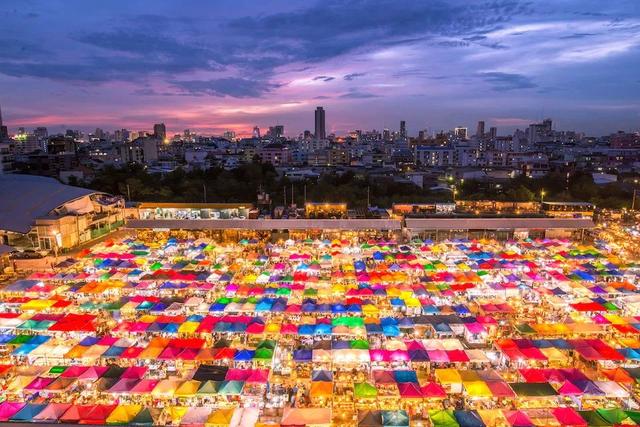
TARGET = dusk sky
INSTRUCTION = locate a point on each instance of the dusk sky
(231, 64)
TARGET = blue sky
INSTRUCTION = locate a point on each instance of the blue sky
(212, 66)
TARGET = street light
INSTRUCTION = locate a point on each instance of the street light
(542, 193)
(633, 201)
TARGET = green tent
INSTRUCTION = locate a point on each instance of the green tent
(395, 418)
(155, 266)
(634, 415)
(146, 417)
(613, 416)
(20, 339)
(365, 390)
(28, 324)
(359, 344)
(208, 387)
(57, 370)
(524, 328)
(594, 419)
(443, 418)
(263, 353)
(229, 388)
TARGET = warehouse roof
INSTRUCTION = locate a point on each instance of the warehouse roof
(27, 197)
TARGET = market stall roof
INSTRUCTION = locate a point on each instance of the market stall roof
(305, 416)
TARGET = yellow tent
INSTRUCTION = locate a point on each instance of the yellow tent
(477, 389)
(188, 327)
(123, 414)
(187, 388)
(175, 413)
(220, 417)
(448, 376)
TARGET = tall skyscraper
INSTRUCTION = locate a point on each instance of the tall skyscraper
(160, 131)
(493, 132)
(403, 129)
(4, 132)
(256, 132)
(480, 129)
(321, 132)
(460, 132)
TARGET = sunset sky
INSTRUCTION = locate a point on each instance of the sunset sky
(231, 64)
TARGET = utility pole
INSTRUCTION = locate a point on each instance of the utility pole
(204, 191)
(368, 196)
(293, 200)
(305, 194)
(285, 196)
(128, 193)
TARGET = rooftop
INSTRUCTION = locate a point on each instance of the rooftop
(27, 197)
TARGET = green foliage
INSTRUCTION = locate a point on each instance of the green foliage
(242, 185)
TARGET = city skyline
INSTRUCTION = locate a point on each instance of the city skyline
(231, 66)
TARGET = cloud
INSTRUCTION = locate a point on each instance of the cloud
(507, 81)
(229, 86)
(323, 78)
(356, 94)
(353, 76)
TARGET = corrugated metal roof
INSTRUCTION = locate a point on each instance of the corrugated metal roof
(269, 224)
(496, 223)
(23, 198)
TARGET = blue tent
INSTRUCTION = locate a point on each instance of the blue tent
(28, 411)
(468, 419)
(405, 376)
(303, 355)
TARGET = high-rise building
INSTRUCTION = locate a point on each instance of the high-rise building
(276, 131)
(41, 133)
(493, 132)
(256, 132)
(386, 135)
(321, 132)
(160, 131)
(421, 135)
(403, 129)
(460, 132)
(480, 129)
(4, 132)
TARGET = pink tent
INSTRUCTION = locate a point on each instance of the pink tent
(433, 390)
(134, 372)
(93, 373)
(144, 386)
(518, 419)
(52, 412)
(569, 389)
(235, 374)
(258, 376)
(409, 391)
(39, 383)
(568, 417)
(9, 409)
(438, 356)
